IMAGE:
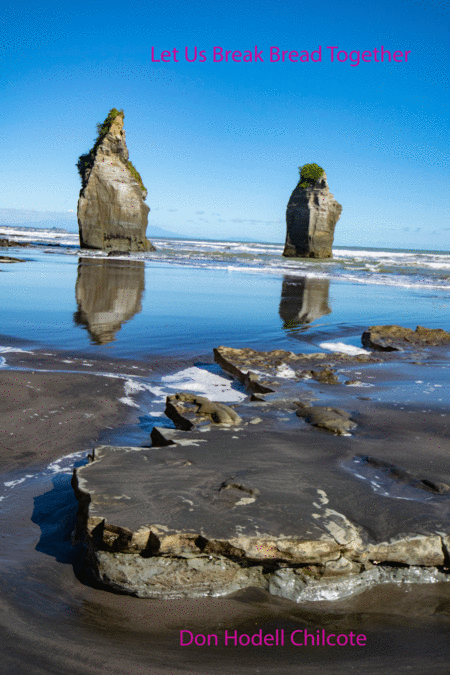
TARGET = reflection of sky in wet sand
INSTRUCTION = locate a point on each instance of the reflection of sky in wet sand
(303, 300)
(108, 293)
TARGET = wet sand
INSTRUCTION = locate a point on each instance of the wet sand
(54, 621)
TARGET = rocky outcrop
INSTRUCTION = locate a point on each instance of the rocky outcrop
(266, 372)
(8, 259)
(311, 216)
(112, 214)
(189, 410)
(396, 338)
(12, 244)
(190, 519)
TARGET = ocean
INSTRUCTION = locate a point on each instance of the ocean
(191, 296)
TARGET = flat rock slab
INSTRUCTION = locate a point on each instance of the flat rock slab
(398, 338)
(257, 496)
(266, 372)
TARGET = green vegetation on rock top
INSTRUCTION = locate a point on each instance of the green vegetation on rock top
(104, 127)
(309, 173)
(86, 161)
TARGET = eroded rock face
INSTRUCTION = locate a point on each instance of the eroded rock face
(178, 521)
(311, 216)
(112, 213)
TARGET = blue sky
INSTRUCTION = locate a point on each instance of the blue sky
(219, 144)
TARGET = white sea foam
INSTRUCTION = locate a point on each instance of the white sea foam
(285, 372)
(13, 350)
(65, 464)
(200, 381)
(343, 348)
(13, 483)
(126, 400)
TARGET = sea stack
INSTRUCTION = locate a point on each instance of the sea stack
(112, 213)
(311, 216)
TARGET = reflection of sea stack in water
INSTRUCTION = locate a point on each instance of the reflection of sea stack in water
(112, 214)
(303, 300)
(311, 216)
(108, 293)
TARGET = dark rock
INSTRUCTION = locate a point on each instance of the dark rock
(112, 214)
(311, 217)
(324, 376)
(397, 338)
(161, 436)
(9, 259)
(13, 244)
(331, 419)
(188, 410)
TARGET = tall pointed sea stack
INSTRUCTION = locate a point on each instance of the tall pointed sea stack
(112, 214)
(311, 216)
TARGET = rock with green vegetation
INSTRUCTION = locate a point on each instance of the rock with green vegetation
(311, 216)
(112, 213)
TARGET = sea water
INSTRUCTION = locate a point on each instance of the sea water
(192, 296)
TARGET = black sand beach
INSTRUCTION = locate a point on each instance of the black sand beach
(55, 620)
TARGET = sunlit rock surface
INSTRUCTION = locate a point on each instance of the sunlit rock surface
(112, 213)
(398, 338)
(311, 217)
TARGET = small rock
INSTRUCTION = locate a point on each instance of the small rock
(8, 259)
(189, 410)
(331, 419)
